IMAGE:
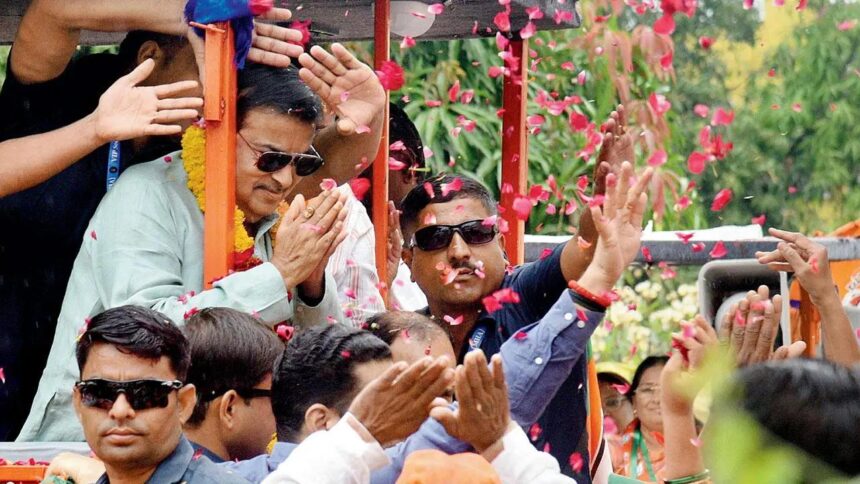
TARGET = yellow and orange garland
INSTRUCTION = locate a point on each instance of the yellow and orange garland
(194, 160)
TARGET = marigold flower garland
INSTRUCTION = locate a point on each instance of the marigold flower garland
(194, 162)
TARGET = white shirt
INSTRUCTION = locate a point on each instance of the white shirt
(344, 454)
(405, 294)
(353, 265)
(520, 462)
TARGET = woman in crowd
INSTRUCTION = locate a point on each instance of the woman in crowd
(639, 452)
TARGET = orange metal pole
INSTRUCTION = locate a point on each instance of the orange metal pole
(379, 200)
(22, 474)
(219, 111)
(515, 149)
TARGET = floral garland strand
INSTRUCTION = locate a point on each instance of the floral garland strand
(194, 162)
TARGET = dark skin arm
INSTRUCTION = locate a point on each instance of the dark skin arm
(617, 148)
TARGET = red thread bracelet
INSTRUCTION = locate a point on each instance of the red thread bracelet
(603, 301)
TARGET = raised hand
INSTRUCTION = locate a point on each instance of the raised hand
(272, 44)
(617, 148)
(807, 259)
(483, 415)
(696, 337)
(750, 328)
(619, 225)
(395, 404)
(810, 264)
(127, 111)
(349, 87)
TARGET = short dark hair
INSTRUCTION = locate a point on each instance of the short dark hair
(318, 367)
(401, 128)
(230, 350)
(388, 325)
(276, 88)
(137, 331)
(418, 198)
(812, 404)
(131, 44)
(649, 362)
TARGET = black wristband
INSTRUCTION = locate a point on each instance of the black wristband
(585, 302)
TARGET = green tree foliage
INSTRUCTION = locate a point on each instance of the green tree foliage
(796, 136)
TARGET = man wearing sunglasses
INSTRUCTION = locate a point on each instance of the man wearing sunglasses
(232, 357)
(131, 399)
(456, 255)
(144, 246)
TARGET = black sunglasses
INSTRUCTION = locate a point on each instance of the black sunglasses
(435, 237)
(272, 161)
(141, 394)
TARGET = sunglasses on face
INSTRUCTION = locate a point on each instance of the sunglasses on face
(272, 161)
(435, 237)
(141, 394)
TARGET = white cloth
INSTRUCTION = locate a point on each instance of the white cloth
(353, 265)
(405, 293)
(344, 454)
(520, 462)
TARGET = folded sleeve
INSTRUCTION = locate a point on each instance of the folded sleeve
(328, 310)
(538, 364)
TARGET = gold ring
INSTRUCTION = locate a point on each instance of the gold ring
(630, 206)
(308, 212)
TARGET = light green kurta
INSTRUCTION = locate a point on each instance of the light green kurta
(144, 246)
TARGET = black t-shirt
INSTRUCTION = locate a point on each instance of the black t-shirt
(41, 228)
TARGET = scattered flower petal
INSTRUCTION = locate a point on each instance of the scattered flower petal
(658, 158)
(522, 206)
(696, 162)
(722, 199)
(722, 117)
(718, 251)
(454, 186)
(328, 184)
(576, 462)
(659, 103)
(391, 75)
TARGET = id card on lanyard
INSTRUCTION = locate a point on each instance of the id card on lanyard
(477, 338)
(114, 156)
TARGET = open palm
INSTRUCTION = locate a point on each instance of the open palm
(127, 110)
(619, 222)
(345, 84)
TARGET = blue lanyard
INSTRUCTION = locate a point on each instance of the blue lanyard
(113, 164)
(477, 338)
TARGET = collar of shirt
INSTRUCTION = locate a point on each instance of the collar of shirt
(170, 469)
(201, 450)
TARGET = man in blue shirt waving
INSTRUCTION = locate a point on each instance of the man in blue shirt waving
(456, 255)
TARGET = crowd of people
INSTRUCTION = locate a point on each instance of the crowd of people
(294, 368)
